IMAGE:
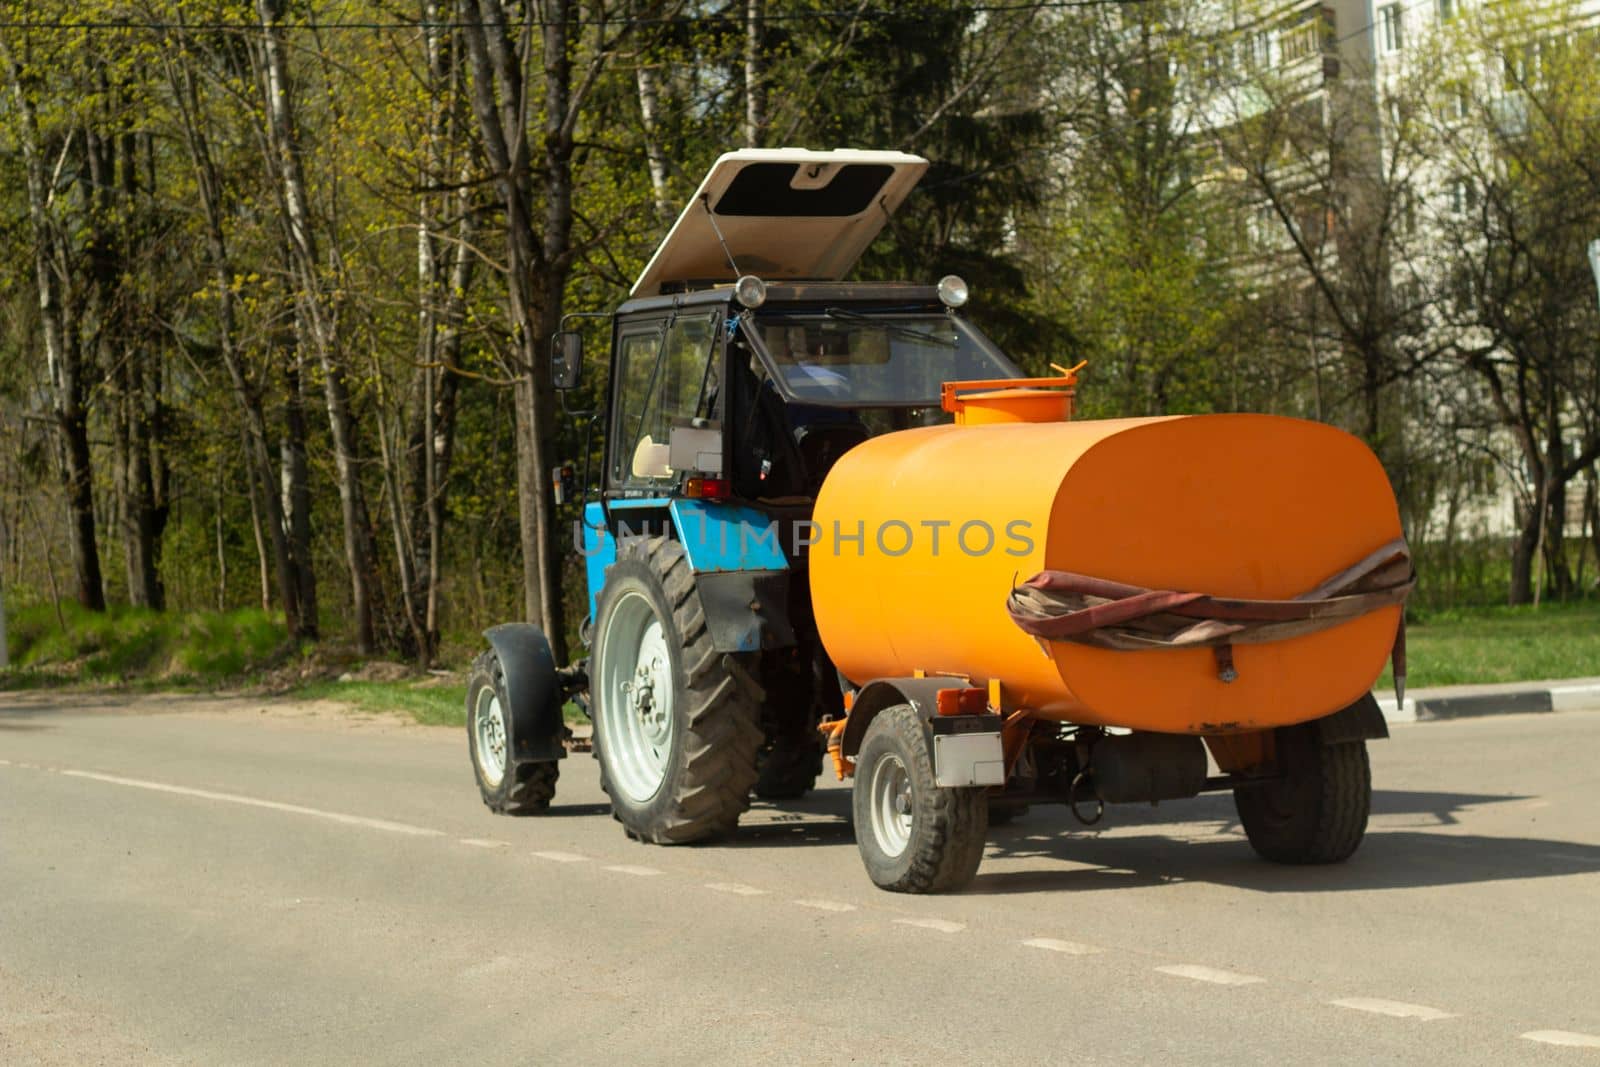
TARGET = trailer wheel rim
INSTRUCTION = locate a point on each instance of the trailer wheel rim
(891, 805)
(637, 698)
(489, 726)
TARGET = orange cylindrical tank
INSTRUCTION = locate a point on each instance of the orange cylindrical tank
(921, 534)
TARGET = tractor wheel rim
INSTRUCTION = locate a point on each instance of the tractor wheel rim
(489, 726)
(636, 698)
(890, 812)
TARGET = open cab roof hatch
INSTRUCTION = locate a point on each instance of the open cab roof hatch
(786, 214)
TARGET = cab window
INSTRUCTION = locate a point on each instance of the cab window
(664, 376)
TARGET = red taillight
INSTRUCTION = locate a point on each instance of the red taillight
(708, 488)
(961, 701)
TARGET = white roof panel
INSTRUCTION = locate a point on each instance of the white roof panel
(787, 214)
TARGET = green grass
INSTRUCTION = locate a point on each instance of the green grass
(133, 648)
(142, 649)
(1502, 644)
(427, 701)
(136, 645)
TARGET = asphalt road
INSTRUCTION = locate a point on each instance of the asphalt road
(202, 881)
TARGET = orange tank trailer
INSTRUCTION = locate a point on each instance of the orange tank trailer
(921, 534)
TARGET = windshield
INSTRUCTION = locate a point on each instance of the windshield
(847, 358)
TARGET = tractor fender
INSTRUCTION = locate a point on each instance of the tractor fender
(532, 691)
(882, 693)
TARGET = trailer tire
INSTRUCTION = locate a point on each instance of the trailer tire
(507, 789)
(914, 837)
(677, 724)
(1316, 812)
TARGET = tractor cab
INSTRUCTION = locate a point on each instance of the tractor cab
(743, 367)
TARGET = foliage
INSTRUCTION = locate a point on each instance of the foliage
(125, 643)
(1116, 180)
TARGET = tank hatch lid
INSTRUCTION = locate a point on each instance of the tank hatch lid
(786, 214)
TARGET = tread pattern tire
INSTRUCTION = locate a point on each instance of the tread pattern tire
(525, 790)
(787, 770)
(712, 766)
(1317, 811)
(948, 825)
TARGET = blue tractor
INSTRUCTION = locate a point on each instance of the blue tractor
(741, 368)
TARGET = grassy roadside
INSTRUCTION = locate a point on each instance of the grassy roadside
(1500, 644)
(139, 647)
(247, 651)
(430, 701)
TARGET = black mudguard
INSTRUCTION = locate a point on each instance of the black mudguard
(1361, 721)
(881, 693)
(532, 690)
(746, 611)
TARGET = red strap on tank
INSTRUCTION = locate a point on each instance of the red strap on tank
(1062, 606)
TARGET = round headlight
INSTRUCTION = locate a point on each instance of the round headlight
(750, 291)
(952, 291)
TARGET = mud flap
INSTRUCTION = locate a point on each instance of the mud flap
(536, 725)
(1361, 721)
(746, 611)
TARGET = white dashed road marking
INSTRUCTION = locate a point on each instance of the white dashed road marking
(1398, 1009)
(256, 802)
(826, 905)
(628, 868)
(1195, 972)
(944, 926)
(1563, 1037)
(1070, 948)
(1209, 974)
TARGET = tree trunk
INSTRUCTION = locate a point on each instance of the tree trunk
(498, 98)
(264, 558)
(1525, 549)
(317, 323)
(432, 444)
(247, 394)
(297, 491)
(444, 271)
(755, 76)
(655, 156)
(63, 350)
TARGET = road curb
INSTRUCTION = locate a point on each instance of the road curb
(1538, 697)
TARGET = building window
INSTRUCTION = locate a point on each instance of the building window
(1463, 196)
(1447, 10)
(1391, 31)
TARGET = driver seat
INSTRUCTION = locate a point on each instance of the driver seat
(821, 444)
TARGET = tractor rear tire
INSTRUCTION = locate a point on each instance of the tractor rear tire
(677, 724)
(1316, 811)
(913, 835)
(788, 769)
(522, 789)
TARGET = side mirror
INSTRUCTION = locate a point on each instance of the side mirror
(566, 361)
